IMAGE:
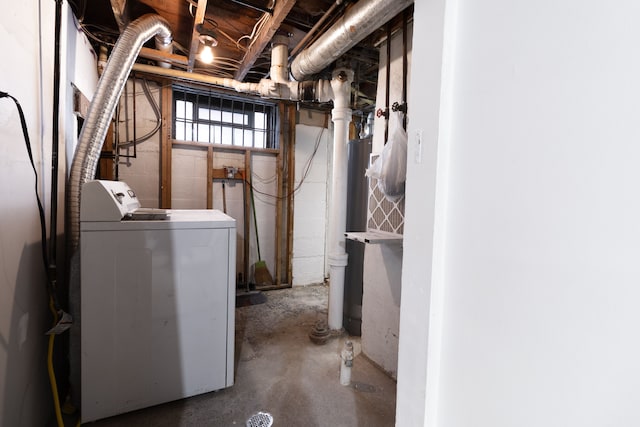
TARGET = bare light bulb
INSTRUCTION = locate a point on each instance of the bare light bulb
(206, 54)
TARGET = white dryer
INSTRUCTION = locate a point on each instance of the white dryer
(157, 301)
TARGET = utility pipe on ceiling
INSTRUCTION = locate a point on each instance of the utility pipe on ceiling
(311, 91)
(356, 24)
(317, 25)
(279, 71)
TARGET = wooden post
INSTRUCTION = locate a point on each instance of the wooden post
(210, 177)
(166, 100)
(291, 179)
(247, 212)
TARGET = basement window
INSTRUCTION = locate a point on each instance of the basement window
(215, 118)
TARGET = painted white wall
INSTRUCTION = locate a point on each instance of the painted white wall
(310, 212)
(526, 290)
(383, 263)
(264, 179)
(79, 70)
(382, 278)
(27, 37)
(422, 285)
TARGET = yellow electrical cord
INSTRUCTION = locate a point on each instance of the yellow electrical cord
(52, 375)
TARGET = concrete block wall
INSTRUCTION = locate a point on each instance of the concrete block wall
(310, 212)
(264, 182)
(143, 172)
(234, 194)
(381, 305)
(27, 37)
(188, 178)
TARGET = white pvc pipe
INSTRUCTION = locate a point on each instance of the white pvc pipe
(279, 70)
(338, 258)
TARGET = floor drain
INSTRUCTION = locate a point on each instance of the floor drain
(320, 333)
(261, 419)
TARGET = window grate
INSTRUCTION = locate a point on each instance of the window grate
(215, 118)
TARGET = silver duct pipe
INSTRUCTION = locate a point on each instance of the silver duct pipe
(359, 21)
(103, 105)
(87, 154)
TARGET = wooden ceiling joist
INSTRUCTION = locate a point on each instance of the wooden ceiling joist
(158, 55)
(280, 12)
(195, 41)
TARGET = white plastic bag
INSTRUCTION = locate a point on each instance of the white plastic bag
(390, 168)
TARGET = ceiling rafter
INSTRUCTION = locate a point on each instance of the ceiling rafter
(195, 41)
(280, 12)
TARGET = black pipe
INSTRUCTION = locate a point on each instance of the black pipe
(135, 139)
(254, 6)
(388, 102)
(54, 144)
(405, 19)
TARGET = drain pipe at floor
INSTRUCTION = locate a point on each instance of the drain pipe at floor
(338, 258)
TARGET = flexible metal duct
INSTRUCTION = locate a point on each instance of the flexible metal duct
(103, 105)
(359, 21)
(87, 154)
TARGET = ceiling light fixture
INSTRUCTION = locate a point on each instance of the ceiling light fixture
(208, 42)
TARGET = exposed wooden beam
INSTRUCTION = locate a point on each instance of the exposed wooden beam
(291, 183)
(158, 55)
(279, 211)
(280, 12)
(166, 98)
(210, 177)
(120, 13)
(195, 41)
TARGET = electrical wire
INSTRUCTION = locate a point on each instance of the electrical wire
(156, 111)
(53, 301)
(257, 28)
(43, 226)
(305, 172)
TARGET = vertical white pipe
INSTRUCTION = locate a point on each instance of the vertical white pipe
(279, 71)
(338, 258)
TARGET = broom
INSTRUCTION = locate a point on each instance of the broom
(261, 274)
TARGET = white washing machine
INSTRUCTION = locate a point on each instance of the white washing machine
(157, 301)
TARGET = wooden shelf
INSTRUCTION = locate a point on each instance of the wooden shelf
(374, 237)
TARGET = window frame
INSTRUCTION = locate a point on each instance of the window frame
(222, 103)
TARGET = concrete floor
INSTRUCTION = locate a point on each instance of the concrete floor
(280, 371)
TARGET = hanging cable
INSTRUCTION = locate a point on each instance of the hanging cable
(305, 171)
(53, 214)
(58, 314)
(43, 226)
(156, 112)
